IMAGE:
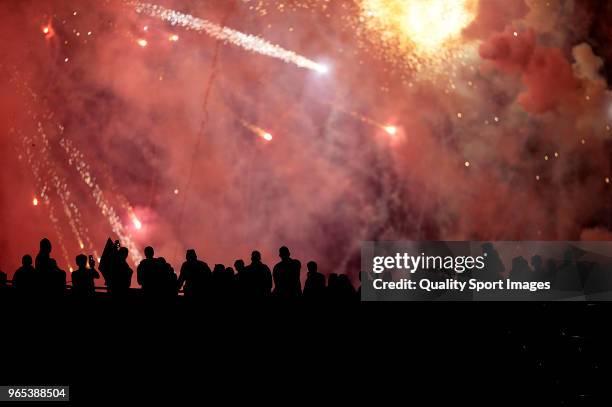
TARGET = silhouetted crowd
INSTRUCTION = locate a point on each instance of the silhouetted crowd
(42, 278)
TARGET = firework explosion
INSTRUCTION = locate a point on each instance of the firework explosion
(230, 126)
(422, 27)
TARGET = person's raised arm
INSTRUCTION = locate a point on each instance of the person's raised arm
(92, 266)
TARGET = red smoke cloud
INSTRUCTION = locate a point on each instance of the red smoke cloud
(545, 72)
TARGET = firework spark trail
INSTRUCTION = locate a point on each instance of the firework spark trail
(256, 130)
(77, 160)
(45, 175)
(42, 187)
(387, 128)
(226, 34)
(71, 210)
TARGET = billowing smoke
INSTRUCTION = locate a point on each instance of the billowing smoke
(164, 118)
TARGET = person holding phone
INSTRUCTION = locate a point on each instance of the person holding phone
(83, 278)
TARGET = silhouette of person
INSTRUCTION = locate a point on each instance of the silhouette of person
(332, 292)
(43, 258)
(168, 282)
(146, 272)
(51, 279)
(195, 275)
(55, 280)
(551, 270)
(258, 278)
(24, 279)
(520, 269)
(242, 280)
(494, 267)
(83, 278)
(567, 277)
(537, 264)
(286, 274)
(314, 287)
(121, 277)
(239, 266)
(222, 282)
(346, 290)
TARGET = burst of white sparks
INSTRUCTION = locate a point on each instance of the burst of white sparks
(246, 41)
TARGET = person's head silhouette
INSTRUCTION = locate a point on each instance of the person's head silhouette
(255, 256)
(26, 261)
(239, 264)
(81, 261)
(219, 268)
(536, 261)
(191, 255)
(45, 246)
(149, 252)
(284, 253)
(487, 247)
(123, 253)
(312, 266)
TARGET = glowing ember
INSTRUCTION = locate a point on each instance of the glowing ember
(35, 201)
(48, 31)
(142, 42)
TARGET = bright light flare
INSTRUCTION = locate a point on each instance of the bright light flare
(142, 42)
(321, 68)
(137, 223)
(267, 136)
(173, 38)
(35, 201)
(48, 31)
(391, 130)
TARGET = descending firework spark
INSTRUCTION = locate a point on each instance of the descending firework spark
(387, 128)
(137, 223)
(246, 41)
(48, 31)
(391, 130)
(41, 185)
(78, 161)
(257, 130)
(419, 33)
(45, 174)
